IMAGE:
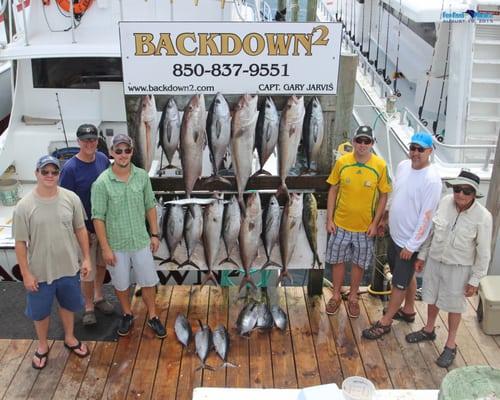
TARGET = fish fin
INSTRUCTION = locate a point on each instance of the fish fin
(242, 205)
(169, 133)
(170, 259)
(283, 191)
(270, 264)
(209, 276)
(227, 364)
(292, 131)
(247, 279)
(260, 172)
(284, 273)
(251, 225)
(217, 178)
(218, 129)
(156, 258)
(315, 133)
(196, 135)
(188, 262)
(229, 260)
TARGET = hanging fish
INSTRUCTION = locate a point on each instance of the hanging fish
(212, 230)
(266, 135)
(143, 133)
(310, 221)
(193, 230)
(231, 228)
(271, 230)
(173, 226)
(312, 137)
(170, 130)
(218, 133)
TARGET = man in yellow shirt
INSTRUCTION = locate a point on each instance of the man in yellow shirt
(360, 184)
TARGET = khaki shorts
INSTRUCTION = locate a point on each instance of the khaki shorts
(95, 257)
(444, 285)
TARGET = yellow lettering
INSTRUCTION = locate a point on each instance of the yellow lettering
(180, 43)
(143, 44)
(259, 41)
(278, 44)
(207, 42)
(322, 40)
(230, 44)
(305, 40)
(165, 43)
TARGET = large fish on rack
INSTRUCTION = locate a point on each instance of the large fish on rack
(143, 133)
(218, 132)
(220, 337)
(203, 344)
(193, 140)
(291, 221)
(231, 228)
(271, 230)
(243, 140)
(173, 226)
(290, 133)
(266, 135)
(170, 130)
(193, 230)
(250, 232)
(212, 230)
(310, 221)
(313, 130)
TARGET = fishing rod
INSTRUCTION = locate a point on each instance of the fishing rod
(435, 123)
(62, 121)
(421, 108)
(363, 28)
(345, 17)
(396, 72)
(378, 37)
(337, 11)
(386, 78)
(354, 19)
(370, 32)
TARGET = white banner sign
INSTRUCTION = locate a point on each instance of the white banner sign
(230, 57)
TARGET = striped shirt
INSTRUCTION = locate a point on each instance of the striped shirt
(123, 206)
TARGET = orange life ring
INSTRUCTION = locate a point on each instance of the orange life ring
(79, 6)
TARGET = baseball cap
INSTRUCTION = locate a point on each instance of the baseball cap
(423, 139)
(365, 131)
(86, 131)
(466, 178)
(122, 138)
(46, 160)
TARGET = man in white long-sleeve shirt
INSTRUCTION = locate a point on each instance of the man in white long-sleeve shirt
(416, 194)
(456, 255)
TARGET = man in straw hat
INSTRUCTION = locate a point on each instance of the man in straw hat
(456, 256)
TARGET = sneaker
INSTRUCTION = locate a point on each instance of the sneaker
(89, 318)
(104, 306)
(157, 327)
(125, 324)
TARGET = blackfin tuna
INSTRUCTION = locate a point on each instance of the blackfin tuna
(313, 131)
(218, 132)
(173, 226)
(170, 130)
(212, 231)
(221, 341)
(182, 329)
(203, 344)
(266, 135)
(193, 230)
(271, 230)
(231, 228)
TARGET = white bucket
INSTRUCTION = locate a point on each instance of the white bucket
(358, 388)
(10, 190)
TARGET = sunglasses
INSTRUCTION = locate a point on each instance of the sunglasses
(46, 172)
(416, 148)
(126, 151)
(89, 140)
(464, 189)
(363, 140)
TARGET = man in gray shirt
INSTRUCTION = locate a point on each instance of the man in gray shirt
(48, 227)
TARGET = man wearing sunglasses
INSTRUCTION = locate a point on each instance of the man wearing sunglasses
(78, 175)
(48, 228)
(356, 202)
(122, 199)
(456, 256)
(417, 189)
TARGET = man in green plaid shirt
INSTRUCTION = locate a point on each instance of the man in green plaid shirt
(122, 199)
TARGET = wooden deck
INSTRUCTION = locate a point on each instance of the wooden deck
(316, 349)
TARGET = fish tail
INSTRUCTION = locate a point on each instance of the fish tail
(284, 273)
(247, 279)
(188, 262)
(270, 263)
(172, 260)
(217, 178)
(205, 366)
(227, 364)
(229, 260)
(260, 172)
(242, 205)
(283, 191)
(209, 276)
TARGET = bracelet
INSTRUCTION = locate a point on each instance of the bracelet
(156, 235)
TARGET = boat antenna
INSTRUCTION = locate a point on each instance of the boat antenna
(370, 34)
(435, 123)
(62, 121)
(351, 31)
(354, 23)
(396, 72)
(386, 78)
(380, 10)
(363, 28)
(421, 108)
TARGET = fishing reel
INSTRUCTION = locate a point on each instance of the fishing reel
(424, 122)
(397, 93)
(387, 80)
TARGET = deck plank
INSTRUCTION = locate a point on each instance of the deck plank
(9, 364)
(217, 315)
(49, 377)
(369, 352)
(283, 361)
(73, 375)
(261, 369)
(25, 377)
(324, 343)
(189, 377)
(400, 373)
(350, 360)
(4, 345)
(306, 364)
(94, 380)
(124, 358)
(167, 374)
(237, 377)
(143, 375)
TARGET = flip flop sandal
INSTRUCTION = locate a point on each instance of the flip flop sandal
(420, 336)
(376, 331)
(41, 357)
(76, 347)
(332, 307)
(402, 316)
(353, 309)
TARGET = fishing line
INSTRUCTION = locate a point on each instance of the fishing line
(396, 72)
(386, 78)
(421, 108)
(435, 123)
(378, 35)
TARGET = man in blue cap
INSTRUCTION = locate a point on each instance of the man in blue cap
(48, 227)
(417, 189)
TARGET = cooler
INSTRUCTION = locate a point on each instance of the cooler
(488, 310)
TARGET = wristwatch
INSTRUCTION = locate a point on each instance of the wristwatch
(156, 235)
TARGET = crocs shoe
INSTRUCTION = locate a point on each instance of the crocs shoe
(89, 318)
